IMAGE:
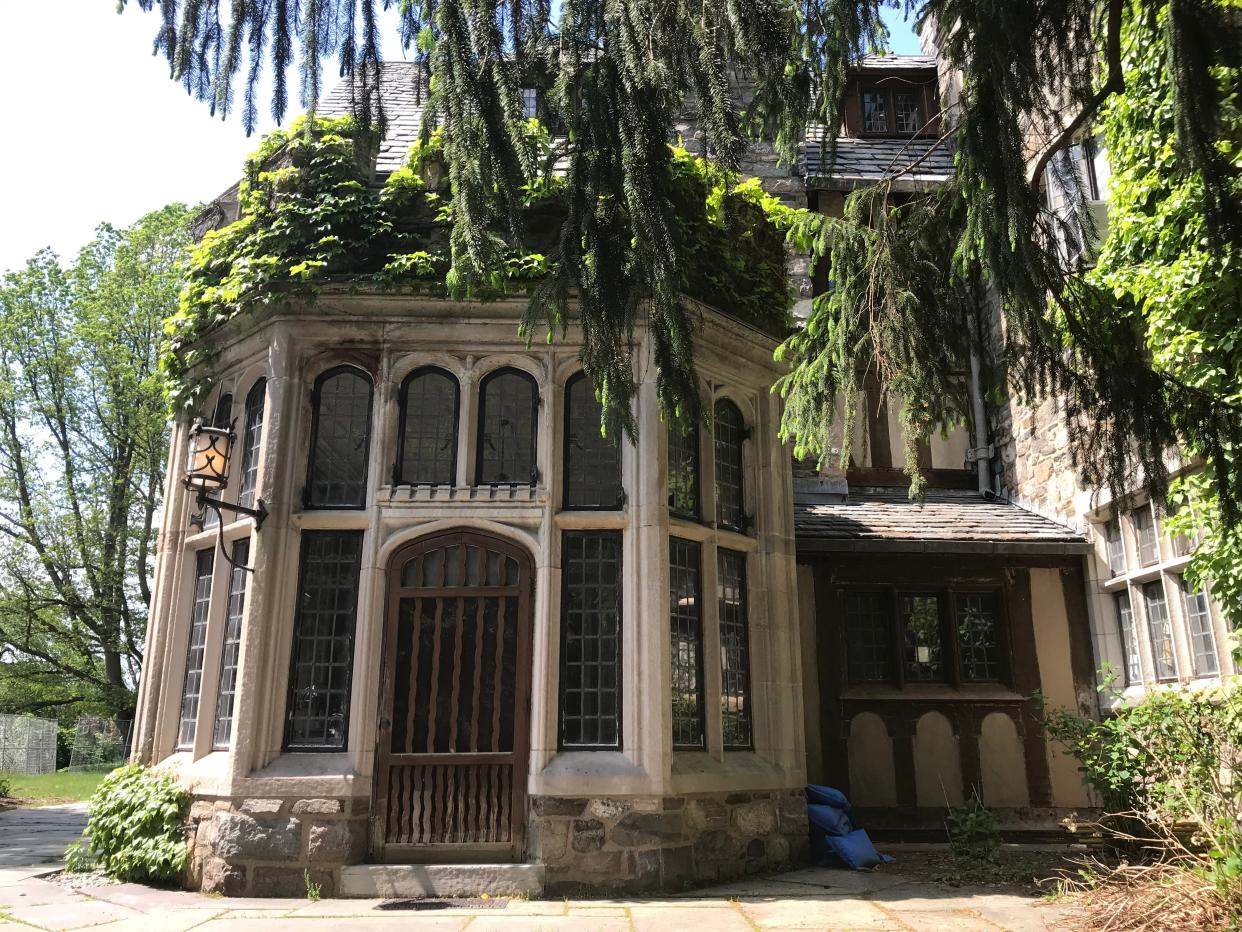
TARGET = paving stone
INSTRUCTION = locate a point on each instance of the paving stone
(58, 916)
(693, 919)
(816, 914)
(503, 923)
(39, 836)
(397, 922)
(959, 920)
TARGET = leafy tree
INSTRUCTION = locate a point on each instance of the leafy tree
(906, 302)
(83, 443)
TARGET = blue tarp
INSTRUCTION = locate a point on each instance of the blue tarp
(835, 840)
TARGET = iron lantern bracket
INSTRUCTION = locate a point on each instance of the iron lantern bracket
(259, 513)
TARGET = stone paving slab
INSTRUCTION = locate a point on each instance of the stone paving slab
(39, 836)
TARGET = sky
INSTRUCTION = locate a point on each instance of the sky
(95, 131)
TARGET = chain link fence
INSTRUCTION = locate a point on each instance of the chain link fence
(27, 744)
(99, 743)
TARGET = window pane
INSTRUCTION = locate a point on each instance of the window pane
(734, 650)
(908, 112)
(1145, 532)
(591, 640)
(323, 639)
(592, 461)
(193, 687)
(1199, 625)
(428, 454)
(1129, 640)
(252, 444)
(1116, 547)
(683, 468)
(978, 636)
(730, 431)
(920, 620)
(875, 112)
(530, 103)
(1161, 631)
(238, 579)
(222, 417)
(338, 473)
(686, 629)
(507, 429)
(868, 636)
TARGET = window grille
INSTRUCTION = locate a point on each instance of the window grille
(869, 636)
(592, 460)
(530, 103)
(1129, 640)
(591, 640)
(730, 432)
(252, 443)
(221, 417)
(231, 645)
(734, 650)
(507, 421)
(979, 636)
(427, 445)
(1161, 631)
(921, 624)
(193, 686)
(686, 630)
(683, 468)
(1145, 533)
(908, 112)
(1202, 638)
(875, 112)
(323, 640)
(340, 440)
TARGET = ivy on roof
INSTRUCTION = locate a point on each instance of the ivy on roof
(310, 216)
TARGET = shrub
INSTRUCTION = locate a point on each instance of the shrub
(974, 833)
(6, 788)
(135, 827)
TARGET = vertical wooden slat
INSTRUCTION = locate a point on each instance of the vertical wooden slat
(497, 692)
(416, 628)
(434, 687)
(455, 700)
(477, 709)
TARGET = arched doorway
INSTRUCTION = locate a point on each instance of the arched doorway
(454, 712)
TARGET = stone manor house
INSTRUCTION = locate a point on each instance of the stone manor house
(477, 633)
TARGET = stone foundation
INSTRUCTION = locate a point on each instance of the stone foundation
(267, 846)
(645, 844)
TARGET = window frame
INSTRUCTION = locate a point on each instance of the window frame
(481, 418)
(566, 418)
(252, 434)
(1143, 561)
(745, 520)
(237, 571)
(202, 555)
(403, 397)
(1123, 604)
(1168, 621)
(1187, 593)
(697, 636)
(748, 693)
(889, 86)
(695, 436)
(316, 410)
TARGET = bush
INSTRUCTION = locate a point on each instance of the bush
(6, 788)
(974, 833)
(135, 827)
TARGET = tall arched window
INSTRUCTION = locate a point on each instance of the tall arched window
(508, 415)
(221, 417)
(252, 443)
(592, 461)
(340, 439)
(427, 439)
(730, 431)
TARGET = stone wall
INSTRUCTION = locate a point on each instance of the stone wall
(642, 844)
(265, 847)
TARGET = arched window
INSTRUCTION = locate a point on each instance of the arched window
(427, 438)
(730, 432)
(508, 402)
(592, 461)
(221, 417)
(340, 439)
(252, 443)
(683, 468)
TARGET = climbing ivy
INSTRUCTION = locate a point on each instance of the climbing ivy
(311, 214)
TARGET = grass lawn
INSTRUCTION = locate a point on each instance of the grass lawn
(48, 788)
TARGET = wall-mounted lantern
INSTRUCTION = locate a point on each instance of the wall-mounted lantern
(207, 470)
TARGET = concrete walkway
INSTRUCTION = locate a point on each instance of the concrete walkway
(39, 836)
(808, 899)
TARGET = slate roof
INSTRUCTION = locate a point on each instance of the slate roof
(897, 63)
(871, 519)
(862, 161)
(403, 107)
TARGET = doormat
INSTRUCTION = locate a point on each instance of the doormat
(451, 903)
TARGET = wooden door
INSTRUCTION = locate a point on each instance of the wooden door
(454, 729)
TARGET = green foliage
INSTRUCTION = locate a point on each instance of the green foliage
(6, 788)
(312, 889)
(135, 827)
(308, 217)
(974, 833)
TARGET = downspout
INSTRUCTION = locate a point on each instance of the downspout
(981, 452)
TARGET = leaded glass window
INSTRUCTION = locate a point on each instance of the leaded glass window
(427, 444)
(507, 419)
(323, 640)
(1145, 533)
(530, 103)
(908, 112)
(875, 112)
(1161, 631)
(592, 460)
(591, 640)
(340, 440)
(222, 417)
(1116, 547)
(683, 468)
(868, 635)
(730, 432)
(252, 443)
(192, 689)
(686, 631)
(231, 645)
(921, 626)
(979, 636)
(734, 650)
(1199, 626)
(1129, 639)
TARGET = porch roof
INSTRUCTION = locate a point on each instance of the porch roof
(912, 163)
(947, 521)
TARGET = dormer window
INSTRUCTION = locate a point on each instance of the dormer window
(875, 111)
(530, 103)
(907, 111)
(894, 106)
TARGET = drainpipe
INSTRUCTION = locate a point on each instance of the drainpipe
(982, 452)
